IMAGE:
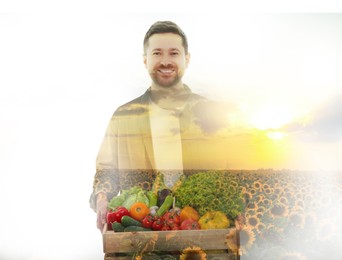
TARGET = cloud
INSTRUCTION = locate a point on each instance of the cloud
(212, 116)
(325, 123)
(132, 109)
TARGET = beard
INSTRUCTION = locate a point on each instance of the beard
(165, 80)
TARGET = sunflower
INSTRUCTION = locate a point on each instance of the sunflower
(218, 184)
(290, 194)
(299, 196)
(250, 212)
(268, 191)
(247, 238)
(260, 197)
(234, 184)
(279, 210)
(308, 197)
(257, 185)
(266, 186)
(260, 227)
(299, 203)
(267, 203)
(278, 190)
(298, 209)
(297, 219)
(287, 189)
(283, 200)
(240, 241)
(252, 205)
(145, 185)
(231, 240)
(261, 209)
(247, 196)
(253, 192)
(252, 221)
(259, 215)
(193, 253)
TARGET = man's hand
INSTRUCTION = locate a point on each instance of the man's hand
(240, 222)
(101, 210)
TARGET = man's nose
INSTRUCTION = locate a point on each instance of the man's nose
(165, 60)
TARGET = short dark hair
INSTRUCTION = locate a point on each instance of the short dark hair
(166, 27)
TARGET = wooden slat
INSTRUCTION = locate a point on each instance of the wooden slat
(124, 242)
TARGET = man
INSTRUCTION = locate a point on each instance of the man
(167, 129)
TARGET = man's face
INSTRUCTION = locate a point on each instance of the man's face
(165, 59)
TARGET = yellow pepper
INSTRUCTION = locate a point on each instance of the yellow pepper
(214, 220)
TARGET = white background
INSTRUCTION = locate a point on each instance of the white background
(65, 67)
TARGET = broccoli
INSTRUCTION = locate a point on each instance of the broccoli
(212, 191)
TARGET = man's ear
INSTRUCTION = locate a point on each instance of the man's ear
(144, 59)
(187, 59)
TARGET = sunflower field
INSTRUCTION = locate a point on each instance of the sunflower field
(290, 215)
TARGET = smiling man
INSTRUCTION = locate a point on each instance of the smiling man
(168, 129)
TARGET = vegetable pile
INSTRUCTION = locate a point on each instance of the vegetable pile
(206, 201)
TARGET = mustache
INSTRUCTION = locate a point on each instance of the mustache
(165, 67)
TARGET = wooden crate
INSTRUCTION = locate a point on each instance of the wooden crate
(117, 244)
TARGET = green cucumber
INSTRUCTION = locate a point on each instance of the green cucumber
(167, 204)
(135, 228)
(127, 221)
(118, 227)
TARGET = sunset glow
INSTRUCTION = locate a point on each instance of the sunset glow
(270, 116)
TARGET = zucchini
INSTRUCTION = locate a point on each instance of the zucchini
(167, 204)
(127, 221)
(135, 228)
(118, 227)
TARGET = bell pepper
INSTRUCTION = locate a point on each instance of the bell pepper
(214, 220)
(117, 214)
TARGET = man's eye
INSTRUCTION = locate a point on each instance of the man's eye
(174, 53)
(156, 53)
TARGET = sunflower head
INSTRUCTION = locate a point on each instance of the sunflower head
(240, 241)
(297, 219)
(257, 185)
(252, 221)
(279, 210)
(193, 253)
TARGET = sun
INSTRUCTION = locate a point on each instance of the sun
(271, 116)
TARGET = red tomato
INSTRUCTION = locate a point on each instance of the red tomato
(175, 227)
(172, 216)
(165, 228)
(117, 214)
(189, 224)
(157, 224)
(148, 221)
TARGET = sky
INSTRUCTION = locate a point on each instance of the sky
(64, 69)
